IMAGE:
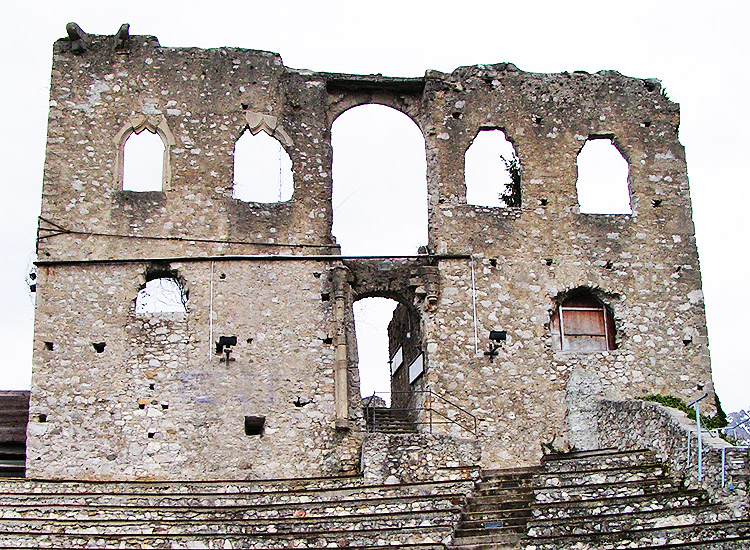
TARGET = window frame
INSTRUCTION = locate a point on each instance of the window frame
(583, 303)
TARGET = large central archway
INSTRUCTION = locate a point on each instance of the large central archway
(379, 182)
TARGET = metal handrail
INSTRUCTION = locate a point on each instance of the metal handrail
(471, 427)
(699, 431)
(733, 429)
(697, 404)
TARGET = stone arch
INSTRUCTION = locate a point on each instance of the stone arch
(413, 284)
(170, 291)
(260, 122)
(397, 103)
(135, 125)
(581, 319)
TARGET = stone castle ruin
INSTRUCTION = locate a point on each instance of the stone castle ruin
(514, 325)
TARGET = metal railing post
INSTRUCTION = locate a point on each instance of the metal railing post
(697, 405)
(371, 411)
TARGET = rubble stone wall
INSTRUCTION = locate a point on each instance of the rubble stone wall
(644, 425)
(262, 272)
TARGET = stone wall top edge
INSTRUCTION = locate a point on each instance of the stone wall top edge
(105, 42)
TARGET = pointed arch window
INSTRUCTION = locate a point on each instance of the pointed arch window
(263, 170)
(140, 157)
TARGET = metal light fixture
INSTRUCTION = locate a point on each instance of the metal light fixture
(224, 347)
(496, 337)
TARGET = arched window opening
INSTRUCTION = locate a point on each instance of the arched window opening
(262, 169)
(161, 295)
(492, 171)
(602, 183)
(379, 182)
(143, 162)
(582, 323)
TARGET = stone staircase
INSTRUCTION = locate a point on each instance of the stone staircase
(594, 500)
(607, 499)
(497, 512)
(387, 420)
(14, 415)
(603, 500)
(305, 513)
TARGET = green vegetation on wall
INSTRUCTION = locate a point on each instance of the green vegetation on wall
(719, 420)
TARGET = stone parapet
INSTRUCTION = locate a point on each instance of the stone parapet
(637, 424)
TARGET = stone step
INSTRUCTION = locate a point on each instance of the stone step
(512, 525)
(487, 541)
(586, 460)
(305, 486)
(204, 544)
(13, 432)
(10, 471)
(14, 414)
(601, 475)
(495, 508)
(630, 521)
(216, 500)
(509, 482)
(387, 415)
(604, 490)
(738, 543)
(496, 514)
(361, 538)
(378, 412)
(14, 396)
(491, 473)
(510, 544)
(514, 497)
(644, 538)
(360, 522)
(274, 512)
(474, 518)
(13, 447)
(597, 507)
(502, 490)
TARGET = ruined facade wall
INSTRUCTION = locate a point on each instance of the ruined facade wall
(203, 96)
(158, 402)
(644, 266)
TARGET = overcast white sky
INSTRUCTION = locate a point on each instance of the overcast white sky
(698, 49)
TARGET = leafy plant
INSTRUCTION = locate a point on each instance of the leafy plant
(511, 195)
(719, 420)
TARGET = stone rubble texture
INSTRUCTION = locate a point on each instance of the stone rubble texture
(158, 403)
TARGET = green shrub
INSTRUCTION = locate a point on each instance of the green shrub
(719, 420)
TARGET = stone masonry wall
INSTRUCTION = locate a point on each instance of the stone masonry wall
(264, 272)
(640, 424)
(158, 402)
